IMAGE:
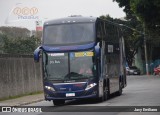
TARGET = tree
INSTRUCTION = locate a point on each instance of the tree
(147, 11)
(19, 45)
(16, 40)
(127, 8)
(15, 32)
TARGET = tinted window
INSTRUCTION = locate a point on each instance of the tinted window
(55, 65)
(66, 34)
(82, 63)
(68, 66)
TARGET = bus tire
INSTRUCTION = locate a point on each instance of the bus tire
(120, 89)
(105, 94)
(58, 102)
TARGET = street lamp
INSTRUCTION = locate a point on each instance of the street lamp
(145, 47)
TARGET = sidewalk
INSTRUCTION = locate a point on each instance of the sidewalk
(23, 100)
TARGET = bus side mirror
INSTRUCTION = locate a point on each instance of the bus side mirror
(37, 54)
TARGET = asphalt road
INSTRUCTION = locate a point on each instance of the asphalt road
(140, 91)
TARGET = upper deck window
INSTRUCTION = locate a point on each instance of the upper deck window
(67, 34)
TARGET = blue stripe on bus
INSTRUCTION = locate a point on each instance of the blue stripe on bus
(68, 48)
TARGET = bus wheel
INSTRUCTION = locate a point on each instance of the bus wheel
(120, 89)
(58, 102)
(105, 95)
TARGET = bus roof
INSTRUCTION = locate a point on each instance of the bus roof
(71, 19)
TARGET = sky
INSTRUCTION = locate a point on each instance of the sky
(52, 9)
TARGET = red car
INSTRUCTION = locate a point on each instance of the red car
(157, 70)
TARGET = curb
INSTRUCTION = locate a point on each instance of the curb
(26, 103)
(23, 101)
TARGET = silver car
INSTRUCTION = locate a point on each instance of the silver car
(133, 70)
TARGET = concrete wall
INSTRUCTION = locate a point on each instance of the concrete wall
(19, 75)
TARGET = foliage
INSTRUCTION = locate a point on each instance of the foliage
(17, 41)
(147, 11)
(15, 32)
(19, 45)
(127, 8)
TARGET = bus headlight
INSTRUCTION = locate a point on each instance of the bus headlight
(49, 88)
(90, 86)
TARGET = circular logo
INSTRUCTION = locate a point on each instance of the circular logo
(17, 11)
(25, 11)
(33, 11)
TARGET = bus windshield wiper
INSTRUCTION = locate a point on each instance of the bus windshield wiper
(72, 74)
(56, 79)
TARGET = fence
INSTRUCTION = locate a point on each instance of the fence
(19, 75)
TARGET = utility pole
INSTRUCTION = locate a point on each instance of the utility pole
(145, 49)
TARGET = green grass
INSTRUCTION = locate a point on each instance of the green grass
(18, 96)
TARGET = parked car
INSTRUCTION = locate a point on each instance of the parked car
(133, 70)
(127, 70)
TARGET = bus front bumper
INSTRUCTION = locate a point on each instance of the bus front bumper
(92, 93)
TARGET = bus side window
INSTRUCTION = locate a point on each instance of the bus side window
(99, 32)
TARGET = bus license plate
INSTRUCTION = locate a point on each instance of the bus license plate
(70, 94)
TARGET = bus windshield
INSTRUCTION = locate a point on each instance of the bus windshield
(66, 34)
(68, 66)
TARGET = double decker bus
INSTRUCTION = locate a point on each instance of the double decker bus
(82, 57)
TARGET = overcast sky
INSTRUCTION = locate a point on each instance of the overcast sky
(52, 9)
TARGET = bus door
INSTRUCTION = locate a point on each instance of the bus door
(113, 65)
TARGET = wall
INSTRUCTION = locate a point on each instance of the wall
(19, 75)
